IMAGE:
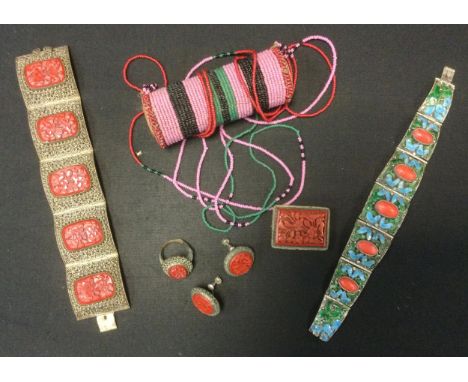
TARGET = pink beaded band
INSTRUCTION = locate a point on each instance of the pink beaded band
(194, 87)
(166, 115)
(243, 104)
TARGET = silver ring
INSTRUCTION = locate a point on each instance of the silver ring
(179, 266)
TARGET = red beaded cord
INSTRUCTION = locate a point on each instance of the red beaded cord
(142, 57)
(333, 90)
(209, 100)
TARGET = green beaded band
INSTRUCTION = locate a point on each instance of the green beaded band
(385, 209)
(228, 92)
(216, 101)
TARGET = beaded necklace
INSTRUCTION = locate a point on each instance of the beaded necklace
(223, 207)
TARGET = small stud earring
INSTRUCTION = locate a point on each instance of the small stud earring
(205, 301)
(239, 260)
(177, 267)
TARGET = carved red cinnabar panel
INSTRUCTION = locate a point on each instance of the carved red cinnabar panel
(300, 227)
(57, 127)
(42, 74)
(70, 180)
(82, 234)
(241, 263)
(94, 288)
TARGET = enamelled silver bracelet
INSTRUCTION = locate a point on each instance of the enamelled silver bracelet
(385, 209)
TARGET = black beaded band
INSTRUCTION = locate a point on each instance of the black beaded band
(183, 109)
(245, 66)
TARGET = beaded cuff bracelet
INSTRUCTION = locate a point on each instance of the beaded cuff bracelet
(71, 185)
(385, 209)
(183, 109)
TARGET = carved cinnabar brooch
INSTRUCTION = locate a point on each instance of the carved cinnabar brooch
(239, 260)
(177, 267)
(204, 299)
(300, 227)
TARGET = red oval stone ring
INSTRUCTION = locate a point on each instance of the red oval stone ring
(177, 267)
(239, 260)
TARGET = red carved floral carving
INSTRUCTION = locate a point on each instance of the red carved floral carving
(57, 127)
(41, 74)
(94, 288)
(203, 303)
(82, 234)
(241, 263)
(301, 227)
(177, 272)
(69, 180)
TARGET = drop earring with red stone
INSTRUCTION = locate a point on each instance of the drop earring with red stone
(204, 299)
(239, 260)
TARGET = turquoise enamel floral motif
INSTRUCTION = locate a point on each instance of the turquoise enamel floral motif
(385, 209)
(328, 320)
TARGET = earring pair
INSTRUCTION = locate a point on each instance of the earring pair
(237, 262)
